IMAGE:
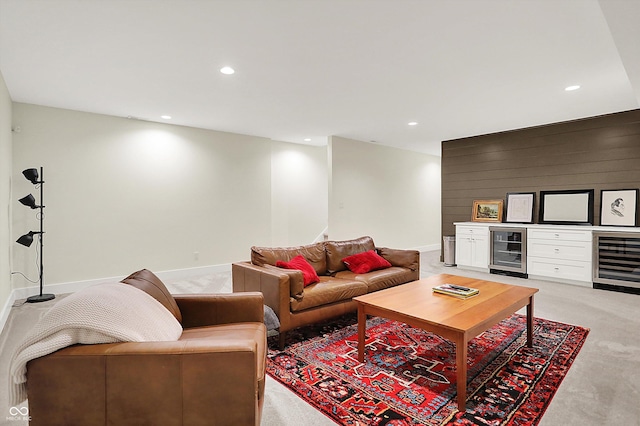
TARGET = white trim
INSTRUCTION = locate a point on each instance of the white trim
(6, 310)
(323, 235)
(71, 287)
(430, 247)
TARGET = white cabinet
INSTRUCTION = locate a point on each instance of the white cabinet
(472, 246)
(560, 254)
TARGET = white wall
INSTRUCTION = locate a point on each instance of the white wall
(391, 194)
(121, 194)
(5, 194)
(299, 193)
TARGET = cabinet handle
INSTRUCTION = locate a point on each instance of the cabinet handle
(556, 269)
(557, 235)
(557, 250)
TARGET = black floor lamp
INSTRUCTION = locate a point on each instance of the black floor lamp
(27, 239)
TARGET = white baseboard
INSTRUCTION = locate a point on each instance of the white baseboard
(6, 310)
(71, 287)
(430, 247)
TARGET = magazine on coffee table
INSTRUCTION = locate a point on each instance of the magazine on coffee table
(456, 290)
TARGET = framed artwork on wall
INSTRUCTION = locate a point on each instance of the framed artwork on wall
(487, 211)
(618, 207)
(571, 207)
(520, 207)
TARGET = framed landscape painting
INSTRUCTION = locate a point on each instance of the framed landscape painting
(487, 211)
(618, 207)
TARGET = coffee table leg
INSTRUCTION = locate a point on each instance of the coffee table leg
(530, 323)
(461, 370)
(362, 325)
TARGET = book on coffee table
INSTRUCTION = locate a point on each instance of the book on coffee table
(456, 290)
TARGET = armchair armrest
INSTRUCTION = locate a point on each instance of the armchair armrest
(404, 258)
(211, 309)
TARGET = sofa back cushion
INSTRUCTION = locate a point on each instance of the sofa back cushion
(148, 282)
(338, 250)
(313, 253)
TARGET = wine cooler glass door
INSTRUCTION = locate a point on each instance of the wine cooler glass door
(508, 249)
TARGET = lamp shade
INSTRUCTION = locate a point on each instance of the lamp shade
(31, 175)
(29, 201)
(26, 239)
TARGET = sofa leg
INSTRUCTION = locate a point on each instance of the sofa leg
(281, 338)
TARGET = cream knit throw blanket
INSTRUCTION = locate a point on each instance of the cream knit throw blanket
(105, 313)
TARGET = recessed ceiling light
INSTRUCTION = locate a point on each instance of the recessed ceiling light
(571, 88)
(307, 139)
(166, 117)
(227, 70)
(412, 123)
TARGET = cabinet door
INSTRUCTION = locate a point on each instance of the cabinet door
(464, 248)
(480, 251)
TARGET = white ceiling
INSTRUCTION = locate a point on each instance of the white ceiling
(360, 69)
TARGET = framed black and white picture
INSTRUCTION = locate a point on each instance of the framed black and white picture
(520, 207)
(618, 207)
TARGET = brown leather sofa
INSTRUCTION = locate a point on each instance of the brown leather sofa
(296, 305)
(213, 375)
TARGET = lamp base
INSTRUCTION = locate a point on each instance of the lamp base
(41, 298)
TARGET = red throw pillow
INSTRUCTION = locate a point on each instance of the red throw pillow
(364, 262)
(309, 275)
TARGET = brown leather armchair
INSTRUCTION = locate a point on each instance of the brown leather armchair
(213, 375)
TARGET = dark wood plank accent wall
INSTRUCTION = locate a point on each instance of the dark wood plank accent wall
(595, 153)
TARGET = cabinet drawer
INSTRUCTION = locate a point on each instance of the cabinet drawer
(559, 235)
(472, 230)
(567, 270)
(569, 250)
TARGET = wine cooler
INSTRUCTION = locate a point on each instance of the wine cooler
(508, 251)
(617, 260)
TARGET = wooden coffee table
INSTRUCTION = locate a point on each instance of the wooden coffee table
(458, 320)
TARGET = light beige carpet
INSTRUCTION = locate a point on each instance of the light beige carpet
(602, 387)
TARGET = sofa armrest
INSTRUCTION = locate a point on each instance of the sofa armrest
(183, 382)
(274, 283)
(405, 258)
(296, 280)
(211, 309)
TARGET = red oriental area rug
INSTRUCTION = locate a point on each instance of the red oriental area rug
(408, 377)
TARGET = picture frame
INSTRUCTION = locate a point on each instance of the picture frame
(619, 207)
(487, 211)
(567, 207)
(519, 207)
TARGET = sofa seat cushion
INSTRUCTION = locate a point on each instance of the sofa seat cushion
(231, 336)
(328, 290)
(380, 279)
